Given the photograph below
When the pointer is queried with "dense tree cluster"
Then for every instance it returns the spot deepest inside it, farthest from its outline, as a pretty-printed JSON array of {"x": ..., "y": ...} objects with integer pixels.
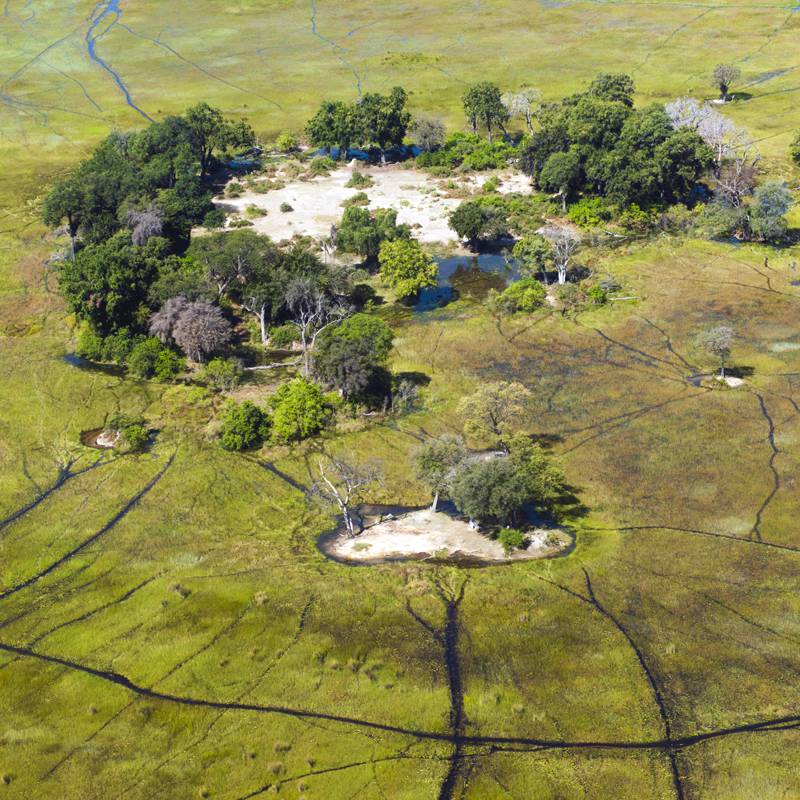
[
  {"x": 597, "y": 142},
  {"x": 489, "y": 488},
  {"x": 148, "y": 181},
  {"x": 375, "y": 122}
]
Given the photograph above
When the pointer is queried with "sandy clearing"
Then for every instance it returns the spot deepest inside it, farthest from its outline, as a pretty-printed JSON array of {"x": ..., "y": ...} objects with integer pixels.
[
  {"x": 424, "y": 534},
  {"x": 317, "y": 203}
]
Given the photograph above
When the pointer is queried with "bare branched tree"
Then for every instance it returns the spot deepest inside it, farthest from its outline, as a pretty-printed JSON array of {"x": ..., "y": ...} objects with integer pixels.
[
  {"x": 163, "y": 322},
  {"x": 329, "y": 243},
  {"x": 312, "y": 311},
  {"x": 523, "y": 104},
  {"x": 737, "y": 173},
  {"x": 564, "y": 243},
  {"x": 344, "y": 485}
]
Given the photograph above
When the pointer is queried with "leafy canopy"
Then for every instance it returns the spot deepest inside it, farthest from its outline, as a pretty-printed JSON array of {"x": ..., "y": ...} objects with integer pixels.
[{"x": 406, "y": 267}]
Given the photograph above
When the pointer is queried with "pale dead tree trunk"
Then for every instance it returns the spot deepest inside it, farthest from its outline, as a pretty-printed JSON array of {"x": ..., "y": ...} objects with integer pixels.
[
  {"x": 312, "y": 312},
  {"x": 565, "y": 244},
  {"x": 342, "y": 484},
  {"x": 435, "y": 503}
]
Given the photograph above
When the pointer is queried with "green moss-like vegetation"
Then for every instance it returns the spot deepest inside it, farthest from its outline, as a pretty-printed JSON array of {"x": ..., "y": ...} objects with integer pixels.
[{"x": 206, "y": 583}]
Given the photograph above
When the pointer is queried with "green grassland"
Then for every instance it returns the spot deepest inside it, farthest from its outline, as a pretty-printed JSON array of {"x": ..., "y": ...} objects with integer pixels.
[{"x": 194, "y": 643}]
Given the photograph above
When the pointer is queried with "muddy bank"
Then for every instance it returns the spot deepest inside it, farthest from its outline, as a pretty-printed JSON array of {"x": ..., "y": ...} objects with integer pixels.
[{"x": 394, "y": 535}]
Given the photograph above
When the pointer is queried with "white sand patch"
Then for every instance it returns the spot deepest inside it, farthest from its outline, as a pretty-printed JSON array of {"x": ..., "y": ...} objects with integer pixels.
[
  {"x": 108, "y": 439},
  {"x": 317, "y": 204},
  {"x": 428, "y": 534},
  {"x": 734, "y": 383}
]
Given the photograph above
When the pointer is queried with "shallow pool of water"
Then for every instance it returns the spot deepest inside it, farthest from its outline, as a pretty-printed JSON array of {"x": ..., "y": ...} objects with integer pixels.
[{"x": 469, "y": 276}]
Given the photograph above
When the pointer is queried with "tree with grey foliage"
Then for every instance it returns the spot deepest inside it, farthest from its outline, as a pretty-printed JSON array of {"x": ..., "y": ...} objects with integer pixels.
[
  {"x": 723, "y": 77},
  {"x": 717, "y": 342},
  {"x": 716, "y": 130},
  {"x": 427, "y": 133},
  {"x": 312, "y": 310},
  {"x": 344, "y": 485},
  {"x": 564, "y": 243},
  {"x": 436, "y": 462},
  {"x": 198, "y": 328},
  {"x": 768, "y": 213},
  {"x": 483, "y": 105},
  {"x": 523, "y": 104},
  {"x": 163, "y": 322},
  {"x": 144, "y": 224}
]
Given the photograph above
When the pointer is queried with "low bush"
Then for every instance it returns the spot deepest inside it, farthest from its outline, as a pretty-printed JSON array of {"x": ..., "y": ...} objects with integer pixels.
[
  {"x": 524, "y": 296},
  {"x": 283, "y": 336},
  {"x": 469, "y": 152},
  {"x": 224, "y": 373},
  {"x": 358, "y": 180},
  {"x": 590, "y": 212},
  {"x": 298, "y": 411},
  {"x": 358, "y": 199},
  {"x": 512, "y": 539},
  {"x": 244, "y": 427}
]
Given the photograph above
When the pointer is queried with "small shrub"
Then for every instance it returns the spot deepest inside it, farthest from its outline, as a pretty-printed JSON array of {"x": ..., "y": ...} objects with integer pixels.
[
  {"x": 524, "y": 296},
  {"x": 224, "y": 373},
  {"x": 636, "y": 219},
  {"x": 150, "y": 358},
  {"x": 570, "y": 297},
  {"x": 244, "y": 426},
  {"x": 491, "y": 185},
  {"x": 132, "y": 430},
  {"x": 512, "y": 539},
  {"x": 359, "y": 180},
  {"x": 287, "y": 142},
  {"x": 298, "y": 411},
  {"x": 214, "y": 219},
  {"x": 89, "y": 343},
  {"x": 358, "y": 199},
  {"x": 254, "y": 212},
  {"x": 286, "y": 208},
  {"x": 598, "y": 295},
  {"x": 234, "y": 189},
  {"x": 321, "y": 166},
  {"x": 590, "y": 212},
  {"x": 118, "y": 345},
  {"x": 240, "y": 223},
  {"x": 284, "y": 336},
  {"x": 168, "y": 365}
]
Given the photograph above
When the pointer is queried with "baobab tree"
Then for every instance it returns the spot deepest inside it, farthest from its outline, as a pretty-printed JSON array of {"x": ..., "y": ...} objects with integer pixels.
[
  {"x": 344, "y": 485},
  {"x": 144, "y": 224},
  {"x": 163, "y": 322},
  {"x": 198, "y": 328},
  {"x": 564, "y": 243}
]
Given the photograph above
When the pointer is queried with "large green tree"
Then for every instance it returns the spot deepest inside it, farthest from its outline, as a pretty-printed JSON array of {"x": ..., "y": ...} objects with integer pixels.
[
  {"x": 483, "y": 105},
  {"x": 436, "y": 462},
  {"x": 406, "y": 267},
  {"x": 212, "y": 133},
  {"x": 383, "y": 120},
  {"x": 107, "y": 284},
  {"x": 489, "y": 490}
]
